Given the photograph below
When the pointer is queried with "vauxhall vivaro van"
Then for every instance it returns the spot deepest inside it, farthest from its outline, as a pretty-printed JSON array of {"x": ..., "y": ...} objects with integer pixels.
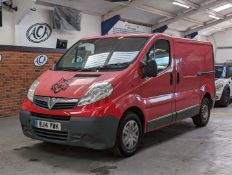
[{"x": 107, "y": 91}]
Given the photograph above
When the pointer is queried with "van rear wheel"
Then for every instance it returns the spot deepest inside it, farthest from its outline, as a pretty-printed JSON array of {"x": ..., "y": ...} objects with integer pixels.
[
  {"x": 129, "y": 135},
  {"x": 202, "y": 118}
]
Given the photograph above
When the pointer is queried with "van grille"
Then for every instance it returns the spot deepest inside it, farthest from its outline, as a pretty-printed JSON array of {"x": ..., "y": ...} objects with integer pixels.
[
  {"x": 53, "y": 135},
  {"x": 55, "y": 103},
  {"x": 52, "y": 117}
]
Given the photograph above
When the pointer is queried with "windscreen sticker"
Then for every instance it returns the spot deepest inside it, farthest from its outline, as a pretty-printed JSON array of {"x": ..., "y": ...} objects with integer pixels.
[{"x": 61, "y": 85}]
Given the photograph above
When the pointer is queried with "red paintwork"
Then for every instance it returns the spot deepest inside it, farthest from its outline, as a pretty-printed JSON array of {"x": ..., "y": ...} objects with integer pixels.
[{"x": 155, "y": 97}]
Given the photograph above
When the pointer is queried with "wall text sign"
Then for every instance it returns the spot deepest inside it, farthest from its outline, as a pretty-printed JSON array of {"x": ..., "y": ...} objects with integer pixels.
[{"x": 39, "y": 32}]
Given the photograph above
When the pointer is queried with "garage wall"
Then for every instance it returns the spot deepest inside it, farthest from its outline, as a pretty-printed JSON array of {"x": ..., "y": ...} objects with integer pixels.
[
  {"x": 90, "y": 25},
  {"x": 17, "y": 68},
  {"x": 16, "y": 34},
  {"x": 172, "y": 33},
  {"x": 7, "y": 29},
  {"x": 126, "y": 27},
  {"x": 223, "y": 45},
  {"x": 17, "y": 72},
  {"x": 122, "y": 27}
]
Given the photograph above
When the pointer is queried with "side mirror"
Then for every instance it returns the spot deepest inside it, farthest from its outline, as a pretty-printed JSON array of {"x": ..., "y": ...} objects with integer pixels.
[{"x": 149, "y": 68}]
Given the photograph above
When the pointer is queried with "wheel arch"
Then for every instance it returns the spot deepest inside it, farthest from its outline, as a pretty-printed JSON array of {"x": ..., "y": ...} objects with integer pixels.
[
  {"x": 207, "y": 95},
  {"x": 226, "y": 87},
  {"x": 140, "y": 114}
]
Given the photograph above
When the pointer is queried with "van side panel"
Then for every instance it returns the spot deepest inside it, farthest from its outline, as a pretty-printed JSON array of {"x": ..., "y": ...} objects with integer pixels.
[
  {"x": 192, "y": 59},
  {"x": 207, "y": 75}
]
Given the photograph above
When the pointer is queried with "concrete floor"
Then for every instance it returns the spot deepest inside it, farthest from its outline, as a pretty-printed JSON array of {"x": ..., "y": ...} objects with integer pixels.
[{"x": 179, "y": 149}]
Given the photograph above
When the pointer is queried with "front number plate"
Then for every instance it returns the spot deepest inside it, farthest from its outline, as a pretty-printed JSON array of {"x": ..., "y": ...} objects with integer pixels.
[{"x": 47, "y": 125}]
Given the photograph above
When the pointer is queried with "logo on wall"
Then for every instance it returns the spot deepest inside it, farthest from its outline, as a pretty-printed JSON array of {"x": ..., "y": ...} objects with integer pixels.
[
  {"x": 61, "y": 85},
  {"x": 39, "y": 32},
  {"x": 40, "y": 60}
]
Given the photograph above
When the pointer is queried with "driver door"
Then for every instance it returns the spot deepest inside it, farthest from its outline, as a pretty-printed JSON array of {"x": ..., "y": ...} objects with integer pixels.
[{"x": 158, "y": 92}]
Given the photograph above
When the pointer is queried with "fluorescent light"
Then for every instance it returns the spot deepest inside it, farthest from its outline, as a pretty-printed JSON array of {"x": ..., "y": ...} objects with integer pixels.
[
  {"x": 180, "y": 4},
  {"x": 214, "y": 17},
  {"x": 223, "y": 7}
]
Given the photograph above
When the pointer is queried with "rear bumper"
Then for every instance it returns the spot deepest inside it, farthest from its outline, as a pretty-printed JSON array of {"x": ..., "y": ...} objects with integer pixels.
[{"x": 90, "y": 132}]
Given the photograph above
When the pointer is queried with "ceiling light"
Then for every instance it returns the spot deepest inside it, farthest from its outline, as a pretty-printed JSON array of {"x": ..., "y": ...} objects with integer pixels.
[
  {"x": 223, "y": 7},
  {"x": 181, "y": 4},
  {"x": 214, "y": 17}
]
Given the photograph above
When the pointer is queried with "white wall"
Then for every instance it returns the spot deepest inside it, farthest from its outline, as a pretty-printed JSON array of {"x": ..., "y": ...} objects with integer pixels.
[
  {"x": 223, "y": 40},
  {"x": 172, "y": 33},
  {"x": 90, "y": 25},
  {"x": 15, "y": 34},
  {"x": 7, "y": 29},
  {"x": 126, "y": 28},
  {"x": 14, "y": 30},
  {"x": 201, "y": 38}
]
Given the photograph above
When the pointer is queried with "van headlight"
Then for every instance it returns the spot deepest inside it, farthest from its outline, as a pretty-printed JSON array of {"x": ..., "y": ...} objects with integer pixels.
[
  {"x": 96, "y": 92},
  {"x": 31, "y": 91},
  {"x": 219, "y": 86}
]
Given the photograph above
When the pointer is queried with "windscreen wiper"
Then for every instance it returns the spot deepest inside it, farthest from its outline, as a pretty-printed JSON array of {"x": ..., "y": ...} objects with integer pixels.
[
  {"x": 115, "y": 66},
  {"x": 69, "y": 69},
  {"x": 78, "y": 69},
  {"x": 91, "y": 69},
  {"x": 108, "y": 66}
]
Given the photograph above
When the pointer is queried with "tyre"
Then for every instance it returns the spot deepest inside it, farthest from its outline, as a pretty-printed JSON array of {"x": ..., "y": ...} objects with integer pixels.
[
  {"x": 202, "y": 118},
  {"x": 225, "y": 99},
  {"x": 129, "y": 135}
]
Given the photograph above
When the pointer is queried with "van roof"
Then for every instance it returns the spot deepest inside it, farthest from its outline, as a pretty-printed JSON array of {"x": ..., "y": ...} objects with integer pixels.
[
  {"x": 176, "y": 39},
  {"x": 120, "y": 35}
]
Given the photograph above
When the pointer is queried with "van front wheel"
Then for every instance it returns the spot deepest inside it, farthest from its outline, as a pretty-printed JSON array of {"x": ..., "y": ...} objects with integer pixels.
[
  {"x": 202, "y": 118},
  {"x": 129, "y": 135}
]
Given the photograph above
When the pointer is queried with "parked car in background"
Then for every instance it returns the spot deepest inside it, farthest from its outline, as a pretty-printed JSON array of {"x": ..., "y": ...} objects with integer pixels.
[
  {"x": 107, "y": 91},
  {"x": 223, "y": 83}
]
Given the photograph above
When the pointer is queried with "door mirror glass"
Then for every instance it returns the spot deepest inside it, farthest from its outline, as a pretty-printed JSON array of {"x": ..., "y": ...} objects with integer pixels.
[{"x": 149, "y": 68}]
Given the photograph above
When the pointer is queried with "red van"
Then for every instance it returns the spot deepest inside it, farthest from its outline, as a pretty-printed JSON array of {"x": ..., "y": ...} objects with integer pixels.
[{"x": 107, "y": 91}]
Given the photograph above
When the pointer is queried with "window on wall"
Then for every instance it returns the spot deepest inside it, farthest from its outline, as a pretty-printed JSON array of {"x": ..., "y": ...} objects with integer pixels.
[{"x": 160, "y": 52}]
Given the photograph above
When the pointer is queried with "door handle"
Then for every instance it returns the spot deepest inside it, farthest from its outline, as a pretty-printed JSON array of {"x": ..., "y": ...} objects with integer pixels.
[
  {"x": 178, "y": 78},
  {"x": 171, "y": 78}
]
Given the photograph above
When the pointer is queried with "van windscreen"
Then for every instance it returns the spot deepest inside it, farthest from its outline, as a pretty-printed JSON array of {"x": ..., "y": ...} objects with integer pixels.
[{"x": 108, "y": 54}]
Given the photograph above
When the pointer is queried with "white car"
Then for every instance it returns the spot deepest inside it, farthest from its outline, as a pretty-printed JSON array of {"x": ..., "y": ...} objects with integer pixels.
[{"x": 223, "y": 83}]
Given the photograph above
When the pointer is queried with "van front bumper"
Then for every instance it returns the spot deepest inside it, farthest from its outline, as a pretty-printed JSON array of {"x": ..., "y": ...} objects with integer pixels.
[{"x": 90, "y": 132}]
